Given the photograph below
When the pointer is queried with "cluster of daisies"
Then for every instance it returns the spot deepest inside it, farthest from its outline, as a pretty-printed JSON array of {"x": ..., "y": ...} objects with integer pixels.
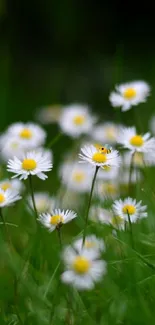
[{"x": 100, "y": 170}]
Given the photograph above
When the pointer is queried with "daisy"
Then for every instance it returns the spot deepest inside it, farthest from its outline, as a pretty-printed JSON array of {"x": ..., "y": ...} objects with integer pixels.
[
  {"x": 106, "y": 133},
  {"x": 129, "y": 138},
  {"x": 140, "y": 159},
  {"x": 97, "y": 158},
  {"x": 29, "y": 134},
  {"x": 76, "y": 177},
  {"x": 10, "y": 146},
  {"x": 13, "y": 184},
  {"x": 108, "y": 173},
  {"x": 100, "y": 215},
  {"x": 129, "y": 207},
  {"x": 83, "y": 269},
  {"x": 43, "y": 201},
  {"x": 56, "y": 218},
  {"x": 129, "y": 94},
  {"x": 107, "y": 190},
  {"x": 32, "y": 163},
  {"x": 8, "y": 197},
  {"x": 91, "y": 243},
  {"x": 76, "y": 120},
  {"x": 49, "y": 114}
]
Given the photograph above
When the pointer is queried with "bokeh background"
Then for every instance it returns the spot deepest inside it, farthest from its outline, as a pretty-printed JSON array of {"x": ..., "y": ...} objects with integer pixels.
[{"x": 72, "y": 51}]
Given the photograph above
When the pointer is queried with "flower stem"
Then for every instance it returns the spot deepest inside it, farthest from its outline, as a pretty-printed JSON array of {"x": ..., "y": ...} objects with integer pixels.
[
  {"x": 54, "y": 140},
  {"x": 6, "y": 228},
  {"x": 131, "y": 232},
  {"x": 59, "y": 236},
  {"x": 130, "y": 172},
  {"x": 32, "y": 196},
  {"x": 89, "y": 204}
]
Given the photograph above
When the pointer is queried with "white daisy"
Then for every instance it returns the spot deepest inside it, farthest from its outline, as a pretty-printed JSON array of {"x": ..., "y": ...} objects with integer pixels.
[
  {"x": 108, "y": 173},
  {"x": 49, "y": 114},
  {"x": 91, "y": 243},
  {"x": 8, "y": 197},
  {"x": 76, "y": 177},
  {"x": 106, "y": 133},
  {"x": 76, "y": 120},
  {"x": 95, "y": 157},
  {"x": 107, "y": 190},
  {"x": 43, "y": 201},
  {"x": 13, "y": 184},
  {"x": 32, "y": 163},
  {"x": 129, "y": 207},
  {"x": 100, "y": 215},
  {"x": 83, "y": 269},
  {"x": 129, "y": 94},
  {"x": 10, "y": 146},
  {"x": 29, "y": 134},
  {"x": 56, "y": 218},
  {"x": 129, "y": 138}
]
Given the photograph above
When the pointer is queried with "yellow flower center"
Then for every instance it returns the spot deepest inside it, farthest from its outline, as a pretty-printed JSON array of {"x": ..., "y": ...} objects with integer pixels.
[
  {"x": 129, "y": 93},
  {"x": 81, "y": 265},
  {"x": 5, "y": 186},
  {"x": 99, "y": 157},
  {"x": 2, "y": 198},
  {"x": 89, "y": 244},
  {"x": 129, "y": 209},
  {"x": 55, "y": 220},
  {"x": 26, "y": 134},
  {"x": 79, "y": 119},
  {"x": 78, "y": 177},
  {"x": 116, "y": 221},
  {"x": 137, "y": 141},
  {"x": 29, "y": 164}
]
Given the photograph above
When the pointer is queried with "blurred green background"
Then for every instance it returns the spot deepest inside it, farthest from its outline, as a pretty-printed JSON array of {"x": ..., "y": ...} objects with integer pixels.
[{"x": 72, "y": 51}]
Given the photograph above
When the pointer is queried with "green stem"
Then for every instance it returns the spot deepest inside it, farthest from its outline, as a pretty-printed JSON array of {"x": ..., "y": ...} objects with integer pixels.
[
  {"x": 59, "y": 236},
  {"x": 32, "y": 195},
  {"x": 131, "y": 232},
  {"x": 130, "y": 172},
  {"x": 5, "y": 227},
  {"x": 54, "y": 140},
  {"x": 89, "y": 204}
]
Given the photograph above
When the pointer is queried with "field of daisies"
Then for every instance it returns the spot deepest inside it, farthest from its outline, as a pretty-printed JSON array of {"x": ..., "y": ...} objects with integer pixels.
[{"x": 84, "y": 253}]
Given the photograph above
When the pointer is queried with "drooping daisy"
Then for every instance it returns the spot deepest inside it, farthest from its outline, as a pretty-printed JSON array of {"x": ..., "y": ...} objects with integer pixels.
[
  {"x": 49, "y": 114},
  {"x": 129, "y": 138},
  {"x": 83, "y": 269},
  {"x": 129, "y": 207},
  {"x": 13, "y": 184},
  {"x": 32, "y": 163},
  {"x": 76, "y": 120},
  {"x": 29, "y": 134},
  {"x": 8, "y": 197},
  {"x": 56, "y": 218},
  {"x": 129, "y": 94},
  {"x": 95, "y": 157},
  {"x": 43, "y": 201},
  {"x": 76, "y": 177},
  {"x": 91, "y": 243},
  {"x": 106, "y": 133}
]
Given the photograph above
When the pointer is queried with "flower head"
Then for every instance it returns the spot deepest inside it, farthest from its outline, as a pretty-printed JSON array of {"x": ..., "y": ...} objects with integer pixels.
[
  {"x": 56, "y": 218},
  {"x": 129, "y": 94},
  {"x": 100, "y": 215},
  {"x": 83, "y": 269},
  {"x": 8, "y": 197},
  {"x": 76, "y": 177},
  {"x": 94, "y": 156},
  {"x": 129, "y": 138},
  {"x": 106, "y": 133},
  {"x": 32, "y": 163},
  {"x": 76, "y": 120},
  {"x": 91, "y": 243},
  {"x": 49, "y": 114},
  {"x": 43, "y": 201},
  {"x": 10, "y": 146},
  {"x": 107, "y": 189},
  {"x": 129, "y": 207},
  {"x": 13, "y": 184},
  {"x": 30, "y": 135}
]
